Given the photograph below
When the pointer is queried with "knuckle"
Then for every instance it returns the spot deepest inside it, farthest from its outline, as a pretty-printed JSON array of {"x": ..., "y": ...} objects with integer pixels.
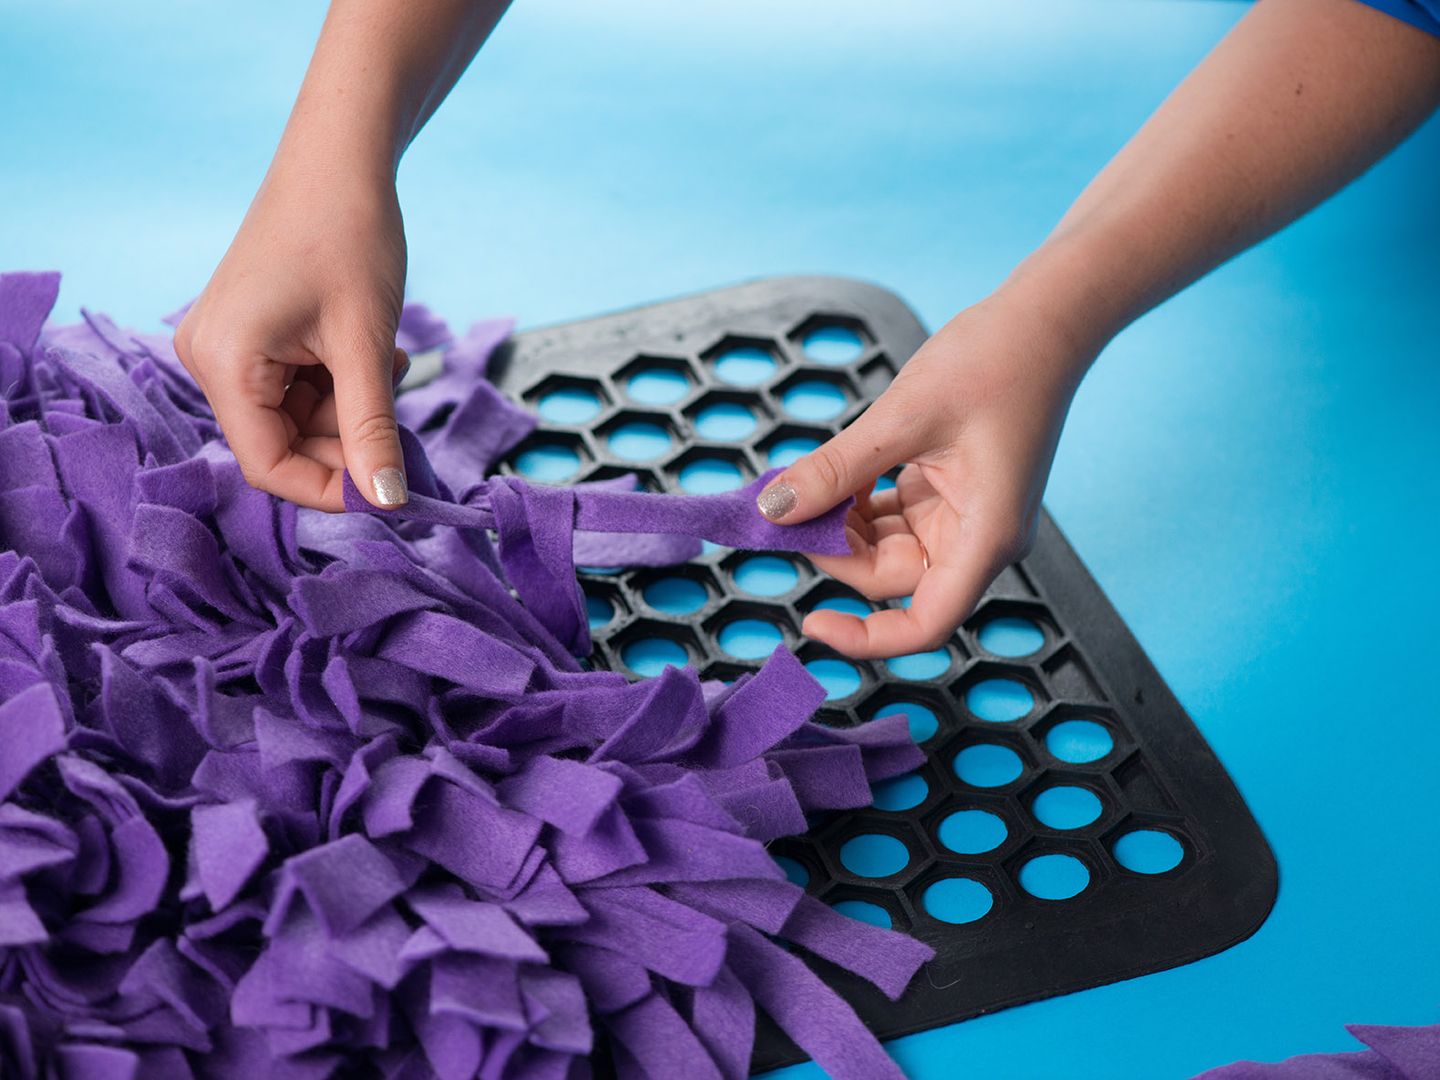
[
  {"x": 203, "y": 351},
  {"x": 1025, "y": 538},
  {"x": 376, "y": 428},
  {"x": 828, "y": 468},
  {"x": 365, "y": 330},
  {"x": 933, "y": 640},
  {"x": 1012, "y": 541},
  {"x": 187, "y": 363},
  {"x": 182, "y": 343},
  {"x": 906, "y": 404},
  {"x": 252, "y": 476}
]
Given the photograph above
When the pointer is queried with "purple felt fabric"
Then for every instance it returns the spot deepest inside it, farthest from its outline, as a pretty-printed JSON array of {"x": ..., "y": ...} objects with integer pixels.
[
  {"x": 886, "y": 962},
  {"x": 227, "y": 845},
  {"x": 28, "y": 299},
  {"x": 813, "y": 1015},
  {"x": 633, "y": 549},
  {"x": 730, "y": 518},
  {"x": 1395, "y": 1053},
  {"x": 298, "y": 795},
  {"x": 31, "y": 731}
]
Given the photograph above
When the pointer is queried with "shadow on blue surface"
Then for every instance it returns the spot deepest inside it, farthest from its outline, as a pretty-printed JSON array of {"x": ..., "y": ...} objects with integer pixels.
[{"x": 1249, "y": 472}]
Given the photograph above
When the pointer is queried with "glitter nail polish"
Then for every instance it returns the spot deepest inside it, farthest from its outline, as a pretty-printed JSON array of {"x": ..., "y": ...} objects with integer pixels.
[
  {"x": 390, "y": 489},
  {"x": 777, "y": 500}
]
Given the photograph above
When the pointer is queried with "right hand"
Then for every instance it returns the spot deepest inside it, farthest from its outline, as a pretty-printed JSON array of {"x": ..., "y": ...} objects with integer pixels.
[
  {"x": 293, "y": 339},
  {"x": 974, "y": 416}
]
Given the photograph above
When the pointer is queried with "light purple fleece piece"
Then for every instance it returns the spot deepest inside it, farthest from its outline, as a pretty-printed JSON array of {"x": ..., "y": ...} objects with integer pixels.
[
  {"x": 1396, "y": 1053},
  {"x": 298, "y": 795}
]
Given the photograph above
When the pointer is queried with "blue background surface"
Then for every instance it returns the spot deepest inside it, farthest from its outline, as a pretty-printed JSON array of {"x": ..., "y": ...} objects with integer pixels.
[{"x": 1249, "y": 472}]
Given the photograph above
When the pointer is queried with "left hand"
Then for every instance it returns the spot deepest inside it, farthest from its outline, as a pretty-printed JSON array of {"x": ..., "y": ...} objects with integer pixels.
[{"x": 293, "y": 339}]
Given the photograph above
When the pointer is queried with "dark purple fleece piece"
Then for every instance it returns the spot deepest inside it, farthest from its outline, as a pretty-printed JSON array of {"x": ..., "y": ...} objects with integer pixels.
[{"x": 294, "y": 795}]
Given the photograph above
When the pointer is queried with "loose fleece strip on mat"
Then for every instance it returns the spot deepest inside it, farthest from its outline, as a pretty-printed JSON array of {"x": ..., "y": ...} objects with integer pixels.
[{"x": 288, "y": 794}]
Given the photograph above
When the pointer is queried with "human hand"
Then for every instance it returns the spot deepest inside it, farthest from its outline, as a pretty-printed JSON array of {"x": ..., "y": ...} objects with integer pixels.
[
  {"x": 976, "y": 415},
  {"x": 293, "y": 339}
]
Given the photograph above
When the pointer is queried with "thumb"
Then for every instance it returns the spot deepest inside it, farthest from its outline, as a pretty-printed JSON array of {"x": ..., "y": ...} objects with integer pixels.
[
  {"x": 369, "y": 436},
  {"x": 850, "y": 462}
]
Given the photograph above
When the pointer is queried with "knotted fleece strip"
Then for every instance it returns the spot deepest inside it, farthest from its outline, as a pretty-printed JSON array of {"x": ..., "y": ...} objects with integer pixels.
[{"x": 296, "y": 795}]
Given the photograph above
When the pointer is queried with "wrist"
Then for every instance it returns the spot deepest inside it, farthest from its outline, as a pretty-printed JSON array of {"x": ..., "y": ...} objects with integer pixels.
[
  {"x": 352, "y": 116},
  {"x": 352, "y": 150},
  {"x": 329, "y": 169},
  {"x": 1051, "y": 296},
  {"x": 1089, "y": 280}
]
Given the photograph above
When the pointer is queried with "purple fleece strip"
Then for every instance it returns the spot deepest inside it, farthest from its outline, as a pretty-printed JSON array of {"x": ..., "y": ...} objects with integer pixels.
[
  {"x": 298, "y": 795},
  {"x": 730, "y": 518}
]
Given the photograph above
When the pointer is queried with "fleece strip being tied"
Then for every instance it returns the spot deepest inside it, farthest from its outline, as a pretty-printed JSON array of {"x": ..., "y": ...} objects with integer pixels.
[{"x": 289, "y": 794}]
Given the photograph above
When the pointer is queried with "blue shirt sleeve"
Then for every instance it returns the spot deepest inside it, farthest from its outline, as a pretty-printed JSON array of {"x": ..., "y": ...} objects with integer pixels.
[{"x": 1422, "y": 13}]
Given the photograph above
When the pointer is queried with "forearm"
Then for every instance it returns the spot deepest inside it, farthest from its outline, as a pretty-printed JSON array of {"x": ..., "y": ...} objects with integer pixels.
[
  {"x": 1299, "y": 99},
  {"x": 380, "y": 69}
]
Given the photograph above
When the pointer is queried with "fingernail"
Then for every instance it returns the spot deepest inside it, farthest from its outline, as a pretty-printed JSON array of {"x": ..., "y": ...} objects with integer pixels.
[
  {"x": 777, "y": 500},
  {"x": 390, "y": 489},
  {"x": 400, "y": 375}
]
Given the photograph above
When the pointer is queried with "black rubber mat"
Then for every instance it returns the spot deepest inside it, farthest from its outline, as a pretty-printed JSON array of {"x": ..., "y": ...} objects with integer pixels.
[{"x": 1058, "y": 762}]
